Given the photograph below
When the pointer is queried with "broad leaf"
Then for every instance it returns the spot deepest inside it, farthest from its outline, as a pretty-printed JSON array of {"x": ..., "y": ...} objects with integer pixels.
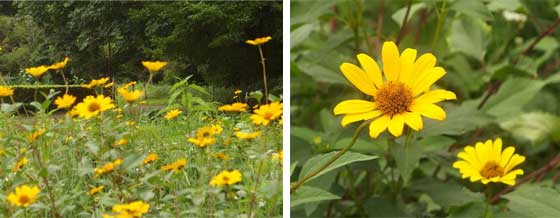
[
  {"x": 308, "y": 194},
  {"x": 316, "y": 162}
]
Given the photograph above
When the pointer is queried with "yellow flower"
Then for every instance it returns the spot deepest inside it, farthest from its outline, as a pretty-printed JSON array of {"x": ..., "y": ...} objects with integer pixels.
[
  {"x": 96, "y": 82},
  {"x": 33, "y": 136},
  {"x": 120, "y": 142},
  {"x": 172, "y": 114},
  {"x": 6, "y": 91},
  {"x": 279, "y": 156},
  {"x": 154, "y": 66},
  {"x": 249, "y": 135},
  {"x": 226, "y": 178},
  {"x": 19, "y": 164},
  {"x": 24, "y": 196},
  {"x": 259, "y": 41},
  {"x": 59, "y": 65},
  {"x": 130, "y": 96},
  {"x": 216, "y": 129},
  {"x": 403, "y": 97},
  {"x": 266, "y": 113},
  {"x": 93, "y": 106},
  {"x": 134, "y": 209},
  {"x": 488, "y": 163},
  {"x": 108, "y": 167},
  {"x": 37, "y": 71},
  {"x": 109, "y": 85},
  {"x": 235, "y": 107},
  {"x": 150, "y": 158},
  {"x": 131, "y": 83},
  {"x": 64, "y": 101},
  {"x": 95, "y": 190},
  {"x": 220, "y": 156},
  {"x": 175, "y": 166},
  {"x": 237, "y": 92},
  {"x": 317, "y": 140},
  {"x": 205, "y": 135}
]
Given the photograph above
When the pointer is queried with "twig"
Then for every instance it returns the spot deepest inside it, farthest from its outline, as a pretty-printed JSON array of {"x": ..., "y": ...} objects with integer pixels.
[
  {"x": 538, "y": 39},
  {"x": 423, "y": 17},
  {"x": 492, "y": 89},
  {"x": 399, "y": 37}
]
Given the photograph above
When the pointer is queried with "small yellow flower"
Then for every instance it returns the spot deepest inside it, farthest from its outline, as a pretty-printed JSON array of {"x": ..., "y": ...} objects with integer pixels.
[
  {"x": 237, "y": 92},
  {"x": 96, "y": 82},
  {"x": 64, "y": 101},
  {"x": 175, "y": 166},
  {"x": 95, "y": 190},
  {"x": 6, "y": 91},
  {"x": 488, "y": 163},
  {"x": 248, "y": 135},
  {"x": 19, "y": 164},
  {"x": 120, "y": 142},
  {"x": 37, "y": 71},
  {"x": 150, "y": 158},
  {"x": 134, "y": 209},
  {"x": 279, "y": 156},
  {"x": 226, "y": 178},
  {"x": 172, "y": 114},
  {"x": 317, "y": 140},
  {"x": 220, "y": 156},
  {"x": 266, "y": 113},
  {"x": 130, "y": 123},
  {"x": 259, "y": 41},
  {"x": 109, "y": 85},
  {"x": 130, "y": 96},
  {"x": 154, "y": 66},
  {"x": 24, "y": 196},
  {"x": 108, "y": 167},
  {"x": 93, "y": 106},
  {"x": 33, "y": 136},
  {"x": 216, "y": 129},
  {"x": 235, "y": 107},
  {"x": 205, "y": 136},
  {"x": 59, "y": 65}
]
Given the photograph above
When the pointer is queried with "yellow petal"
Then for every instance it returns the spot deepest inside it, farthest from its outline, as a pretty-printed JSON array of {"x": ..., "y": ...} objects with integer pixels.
[
  {"x": 427, "y": 80},
  {"x": 378, "y": 126},
  {"x": 354, "y": 107},
  {"x": 396, "y": 125},
  {"x": 474, "y": 159},
  {"x": 435, "y": 96},
  {"x": 489, "y": 150},
  {"x": 350, "y": 118},
  {"x": 482, "y": 152},
  {"x": 407, "y": 65},
  {"x": 498, "y": 149},
  {"x": 425, "y": 62},
  {"x": 429, "y": 110},
  {"x": 413, "y": 120},
  {"x": 516, "y": 159},
  {"x": 358, "y": 78},
  {"x": 371, "y": 68},
  {"x": 391, "y": 60},
  {"x": 506, "y": 155},
  {"x": 511, "y": 175}
]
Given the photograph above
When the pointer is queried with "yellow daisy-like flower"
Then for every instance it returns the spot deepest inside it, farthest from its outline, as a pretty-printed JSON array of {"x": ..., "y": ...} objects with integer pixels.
[
  {"x": 220, "y": 156},
  {"x": 120, "y": 142},
  {"x": 279, "y": 157},
  {"x": 237, "y": 92},
  {"x": 19, "y": 164},
  {"x": 33, "y": 136},
  {"x": 175, "y": 166},
  {"x": 59, "y": 65},
  {"x": 6, "y": 91},
  {"x": 259, "y": 41},
  {"x": 226, "y": 178},
  {"x": 266, "y": 113},
  {"x": 93, "y": 106},
  {"x": 95, "y": 190},
  {"x": 24, "y": 196},
  {"x": 130, "y": 96},
  {"x": 401, "y": 98},
  {"x": 154, "y": 66},
  {"x": 172, "y": 114},
  {"x": 488, "y": 163},
  {"x": 37, "y": 71},
  {"x": 108, "y": 167},
  {"x": 216, "y": 129},
  {"x": 150, "y": 158},
  {"x": 96, "y": 82},
  {"x": 134, "y": 209},
  {"x": 205, "y": 135},
  {"x": 64, "y": 101},
  {"x": 247, "y": 135},
  {"x": 235, "y": 107}
]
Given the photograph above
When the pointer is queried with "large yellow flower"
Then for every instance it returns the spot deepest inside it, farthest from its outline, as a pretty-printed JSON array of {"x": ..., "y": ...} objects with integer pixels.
[
  {"x": 59, "y": 65},
  {"x": 134, "y": 209},
  {"x": 488, "y": 163},
  {"x": 175, "y": 166},
  {"x": 154, "y": 66},
  {"x": 24, "y": 196},
  {"x": 93, "y": 106},
  {"x": 266, "y": 113},
  {"x": 247, "y": 135},
  {"x": 226, "y": 178},
  {"x": 37, "y": 71},
  {"x": 235, "y": 107},
  {"x": 403, "y": 96},
  {"x": 130, "y": 96},
  {"x": 96, "y": 82},
  {"x": 259, "y": 41},
  {"x": 64, "y": 101},
  {"x": 6, "y": 91}
]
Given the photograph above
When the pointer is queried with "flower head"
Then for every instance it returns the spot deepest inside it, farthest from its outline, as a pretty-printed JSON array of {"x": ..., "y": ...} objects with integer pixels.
[
  {"x": 150, "y": 158},
  {"x": 220, "y": 156},
  {"x": 402, "y": 98},
  {"x": 19, "y": 164},
  {"x": 59, "y": 65},
  {"x": 235, "y": 107},
  {"x": 259, "y": 41},
  {"x": 205, "y": 135},
  {"x": 266, "y": 113},
  {"x": 488, "y": 163},
  {"x": 172, "y": 114},
  {"x": 37, "y": 71},
  {"x": 134, "y": 209},
  {"x": 108, "y": 167},
  {"x": 154, "y": 66},
  {"x": 96, "y": 82},
  {"x": 247, "y": 135},
  {"x": 175, "y": 166},
  {"x": 93, "y": 106},
  {"x": 34, "y": 135},
  {"x": 226, "y": 178},
  {"x": 130, "y": 96},
  {"x": 95, "y": 190},
  {"x": 64, "y": 101},
  {"x": 237, "y": 92},
  {"x": 6, "y": 91},
  {"x": 24, "y": 196},
  {"x": 279, "y": 156}
]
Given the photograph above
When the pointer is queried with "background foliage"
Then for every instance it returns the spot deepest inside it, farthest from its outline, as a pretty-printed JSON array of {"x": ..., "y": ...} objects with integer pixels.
[{"x": 504, "y": 68}]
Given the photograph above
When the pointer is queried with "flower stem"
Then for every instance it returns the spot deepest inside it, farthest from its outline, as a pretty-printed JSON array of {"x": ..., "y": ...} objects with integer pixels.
[
  {"x": 441, "y": 20},
  {"x": 264, "y": 75},
  {"x": 299, "y": 183},
  {"x": 259, "y": 172}
]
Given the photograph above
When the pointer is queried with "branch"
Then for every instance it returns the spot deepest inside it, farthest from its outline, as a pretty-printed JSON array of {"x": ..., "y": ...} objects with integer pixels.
[{"x": 399, "y": 37}]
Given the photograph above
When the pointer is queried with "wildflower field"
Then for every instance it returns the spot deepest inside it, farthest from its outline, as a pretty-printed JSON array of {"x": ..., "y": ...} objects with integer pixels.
[
  {"x": 151, "y": 142},
  {"x": 425, "y": 108}
]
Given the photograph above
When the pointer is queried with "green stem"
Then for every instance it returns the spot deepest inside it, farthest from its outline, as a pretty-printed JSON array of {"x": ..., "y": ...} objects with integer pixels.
[
  {"x": 441, "y": 20},
  {"x": 299, "y": 183},
  {"x": 264, "y": 74}
]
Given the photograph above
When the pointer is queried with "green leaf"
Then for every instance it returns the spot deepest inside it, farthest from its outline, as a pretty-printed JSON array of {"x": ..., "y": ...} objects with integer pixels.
[
  {"x": 469, "y": 36},
  {"x": 473, "y": 8},
  {"x": 131, "y": 161},
  {"x": 308, "y": 194},
  {"x": 300, "y": 34},
  {"x": 398, "y": 16},
  {"x": 407, "y": 158},
  {"x": 532, "y": 200},
  {"x": 316, "y": 162},
  {"x": 447, "y": 194},
  {"x": 321, "y": 73},
  {"x": 510, "y": 5},
  {"x": 382, "y": 207},
  {"x": 460, "y": 119},
  {"x": 293, "y": 167},
  {"x": 534, "y": 126}
]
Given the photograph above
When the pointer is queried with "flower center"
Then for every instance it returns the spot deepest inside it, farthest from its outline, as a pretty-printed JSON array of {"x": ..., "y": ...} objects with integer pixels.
[
  {"x": 393, "y": 98},
  {"x": 491, "y": 169},
  {"x": 226, "y": 179},
  {"x": 24, "y": 199},
  {"x": 93, "y": 107},
  {"x": 267, "y": 115}
]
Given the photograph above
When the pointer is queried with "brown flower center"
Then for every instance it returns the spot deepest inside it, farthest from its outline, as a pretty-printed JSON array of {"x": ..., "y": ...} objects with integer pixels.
[
  {"x": 267, "y": 115},
  {"x": 393, "y": 98},
  {"x": 93, "y": 107},
  {"x": 24, "y": 199},
  {"x": 225, "y": 178},
  {"x": 491, "y": 169}
]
